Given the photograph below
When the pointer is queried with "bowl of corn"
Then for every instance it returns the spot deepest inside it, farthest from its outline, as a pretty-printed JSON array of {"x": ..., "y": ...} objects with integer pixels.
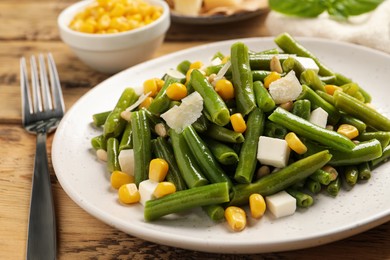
[{"x": 112, "y": 35}]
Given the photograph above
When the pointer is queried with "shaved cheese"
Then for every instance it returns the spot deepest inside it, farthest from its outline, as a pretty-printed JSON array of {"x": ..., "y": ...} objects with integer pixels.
[
  {"x": 285, "y": 89},
  {"x": 138, "y": 102},
  {"x": 179, "y": 117}
]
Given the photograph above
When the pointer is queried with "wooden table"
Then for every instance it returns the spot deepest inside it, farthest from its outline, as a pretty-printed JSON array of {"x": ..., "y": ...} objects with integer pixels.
[{"x": 29, "y": 27}]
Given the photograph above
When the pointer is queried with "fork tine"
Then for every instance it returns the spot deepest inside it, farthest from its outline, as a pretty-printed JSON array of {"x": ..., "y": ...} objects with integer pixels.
[
  {"x": 25, "y": 89},
  {"x": 46, "y": 96},
  {"x": 35, "y": 85},
  {"x": 55, "y": 85}
]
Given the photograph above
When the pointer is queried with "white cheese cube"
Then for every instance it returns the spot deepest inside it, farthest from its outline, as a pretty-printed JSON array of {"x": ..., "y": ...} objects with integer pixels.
[
  {"x": 319, "y": 117},
  {"x": 188, "y": 7},
  {"x": 146, "y": 189},
  {"x": 126, "y": 161},
  {"x": 281, "y": 204},
  {"x": 273, "y": 151},
  {"x": 285, "y": 89},
  {"x": 308, "y": 63}
]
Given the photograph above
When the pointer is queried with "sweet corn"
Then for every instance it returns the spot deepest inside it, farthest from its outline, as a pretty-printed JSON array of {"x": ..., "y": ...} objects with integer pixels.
[
  {"x": 176, "y": 91},
  {"x": 164, "y": 188},
  {"x": 295, "y": 143},
  {"x": 238, "y": 123},
  {"x": 160, "y": 83},
  {"x": 113, "y": 16},
  {"x": 348, "y": 131},
  {"x": 225, "y": 59},
  {"x": 196, "y": 65},
  {"x": 128, "y": 193},
  {"x": 235, "y": 217},
  {"x": 330, "y": 89},
  {"x": 257, "y": 205},
  {"x": 146, "y": 103},
  {"x": 273, "y": 76},
  {"x": 119, "y": 178},
  {"x": 158, "y": 169},
  {"x": 150, "y": 85},
  {"x": 225, "y": 89}
]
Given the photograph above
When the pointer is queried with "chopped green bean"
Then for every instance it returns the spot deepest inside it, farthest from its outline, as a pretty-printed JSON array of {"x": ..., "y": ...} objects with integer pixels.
[
  {"x": 304, "y": 200},
  {"x": 112, "y": 155}
]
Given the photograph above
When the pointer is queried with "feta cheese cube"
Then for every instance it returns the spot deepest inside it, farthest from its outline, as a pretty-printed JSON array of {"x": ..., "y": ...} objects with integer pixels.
[
  {"x": 308, "y": 63},
  {"x": 146, "y": 189},
  {"x": 285, "y": 89},
  {"x": 281, "y": 204},
  {"x": 319, "y": 117},
  {"x": 273, "y": 151},
  {"x": 126, "y": 161}
]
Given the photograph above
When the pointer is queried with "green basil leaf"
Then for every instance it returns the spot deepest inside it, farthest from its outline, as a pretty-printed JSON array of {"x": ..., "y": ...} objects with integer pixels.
[
  {"x": 356, "y": 7},
  {"x": 301, "y": 8}
]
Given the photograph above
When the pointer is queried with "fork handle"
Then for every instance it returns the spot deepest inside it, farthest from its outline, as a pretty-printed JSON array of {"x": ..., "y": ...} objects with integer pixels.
[{"x": 41, "y": 243}]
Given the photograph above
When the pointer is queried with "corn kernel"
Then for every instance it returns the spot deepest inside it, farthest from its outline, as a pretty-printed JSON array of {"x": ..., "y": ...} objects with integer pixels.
[
  {"x": 104, "y": 22},
  {"x": 348, "y": 131},
  {"x": 295, "y": 143},
  {"x": 160, "y": 83},
  {"x": 146, "y": 103},
  {"x": 225, "y": 89},
  {"x": 128, "y": 193},
  {"x": 196, "y": 65},
  {"x": 176, "y": 91},
  {"x": 273, "y": 76},
  {"x": 330, "y": 89},
  {"x": 235, "y": 217},
  {"x": 150, "y": 85},
  {"x": 119, "y": 178},
  {"x": 164, "y": 188},
  {"x": 225, "y": 59},
  {"x": 238, "y": 123},
  {"x": 158, "y": 169},
  {"x": 257, "y": 205}
]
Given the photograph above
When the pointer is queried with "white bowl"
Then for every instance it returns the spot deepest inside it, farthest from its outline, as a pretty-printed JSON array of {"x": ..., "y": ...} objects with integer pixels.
[{"x": 111, "y": 53}]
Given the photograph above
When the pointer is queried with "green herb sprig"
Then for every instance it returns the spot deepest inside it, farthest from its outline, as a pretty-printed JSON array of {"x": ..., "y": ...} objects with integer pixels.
[{"x": 337, "y": 9}]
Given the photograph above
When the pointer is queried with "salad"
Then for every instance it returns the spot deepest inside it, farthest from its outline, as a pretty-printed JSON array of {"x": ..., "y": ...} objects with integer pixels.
[{"x": 270, "y": 129}]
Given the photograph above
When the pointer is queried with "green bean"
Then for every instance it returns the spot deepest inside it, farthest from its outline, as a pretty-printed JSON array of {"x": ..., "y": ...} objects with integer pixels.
[
  {"x": 364, "y": 171},
  {"x": 204, "y": 157},
  {"x": 259, "y": 75},
  {"x": 262, "y": 61},
  {"x": 341, "y": 80},
  {"x": 141, "y": 145},
  {"x": 362, "y": 152},
  {"x": 274, "y": 130},
  {"x": 184, "y": 66},
  {"x": 360, "y": 110},
  {"x": 350, "y": 175},
  {"x": 352, "y": 89},
  {"x": 242, "y": 78},
  {"x": 304, "y": 200},
  {"x": 213, "y": 103},
  {"x": 321, "y": 176},
  {"x": 328, "y": 79},
  {"x": 186, "y": 199},
  {"x": 313, "y": 186},
  {"x": 302, "y": 108},
  {"x": 306, "y": 129},
  {"x": 334, "y": 187},
  {"x": 293, "y": 64},
  {"x": 350, "y": 120},
  {"x": 201, "y": 124},
  {"x": 289, "y": 45},
  {"x": 214, "y": 69},
  {"x": 112, "y": 155},
  {"x": 115, "y": 124},
  {"x": 310, "y": 78},
  {"x": 247, "y": 158},
  {"x": 99, "y": 142},
  {"x": 163, "y": 149},
  {"x": 126, "y": 141},
  {"x": 327, "y": 97},
  {"x": 100, "y": 118},
  {"x": 161, "y": 102},
  {"x": 215, "y": 212},
  {"x": 223, "y": 134},
  {"x": 157, "y": 125},
  {"x": 382, "y": 159},
  {"x": 187, "y": 164},
  {"x": 382, "y": 136},
  {"x": 281, "y": 179},
  {"x": 317, "y": 101},
  {"x": 224, "y": 154},
  {"x": 263, "y": 99}
]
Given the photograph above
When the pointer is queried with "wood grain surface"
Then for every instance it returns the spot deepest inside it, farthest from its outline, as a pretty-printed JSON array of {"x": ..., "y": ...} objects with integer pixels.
[{"x": 29, "y": 27}]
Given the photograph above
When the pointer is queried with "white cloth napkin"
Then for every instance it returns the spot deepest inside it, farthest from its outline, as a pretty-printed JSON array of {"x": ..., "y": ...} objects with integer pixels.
[{"x": 371, "y": 29}]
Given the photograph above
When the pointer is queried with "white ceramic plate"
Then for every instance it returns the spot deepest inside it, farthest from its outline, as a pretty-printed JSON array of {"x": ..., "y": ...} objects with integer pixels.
[{"x": 86, "y": 181}]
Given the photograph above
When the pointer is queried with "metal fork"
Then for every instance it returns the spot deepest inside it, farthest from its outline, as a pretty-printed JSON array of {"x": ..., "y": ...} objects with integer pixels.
[{"x": 41, "y": 115}]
